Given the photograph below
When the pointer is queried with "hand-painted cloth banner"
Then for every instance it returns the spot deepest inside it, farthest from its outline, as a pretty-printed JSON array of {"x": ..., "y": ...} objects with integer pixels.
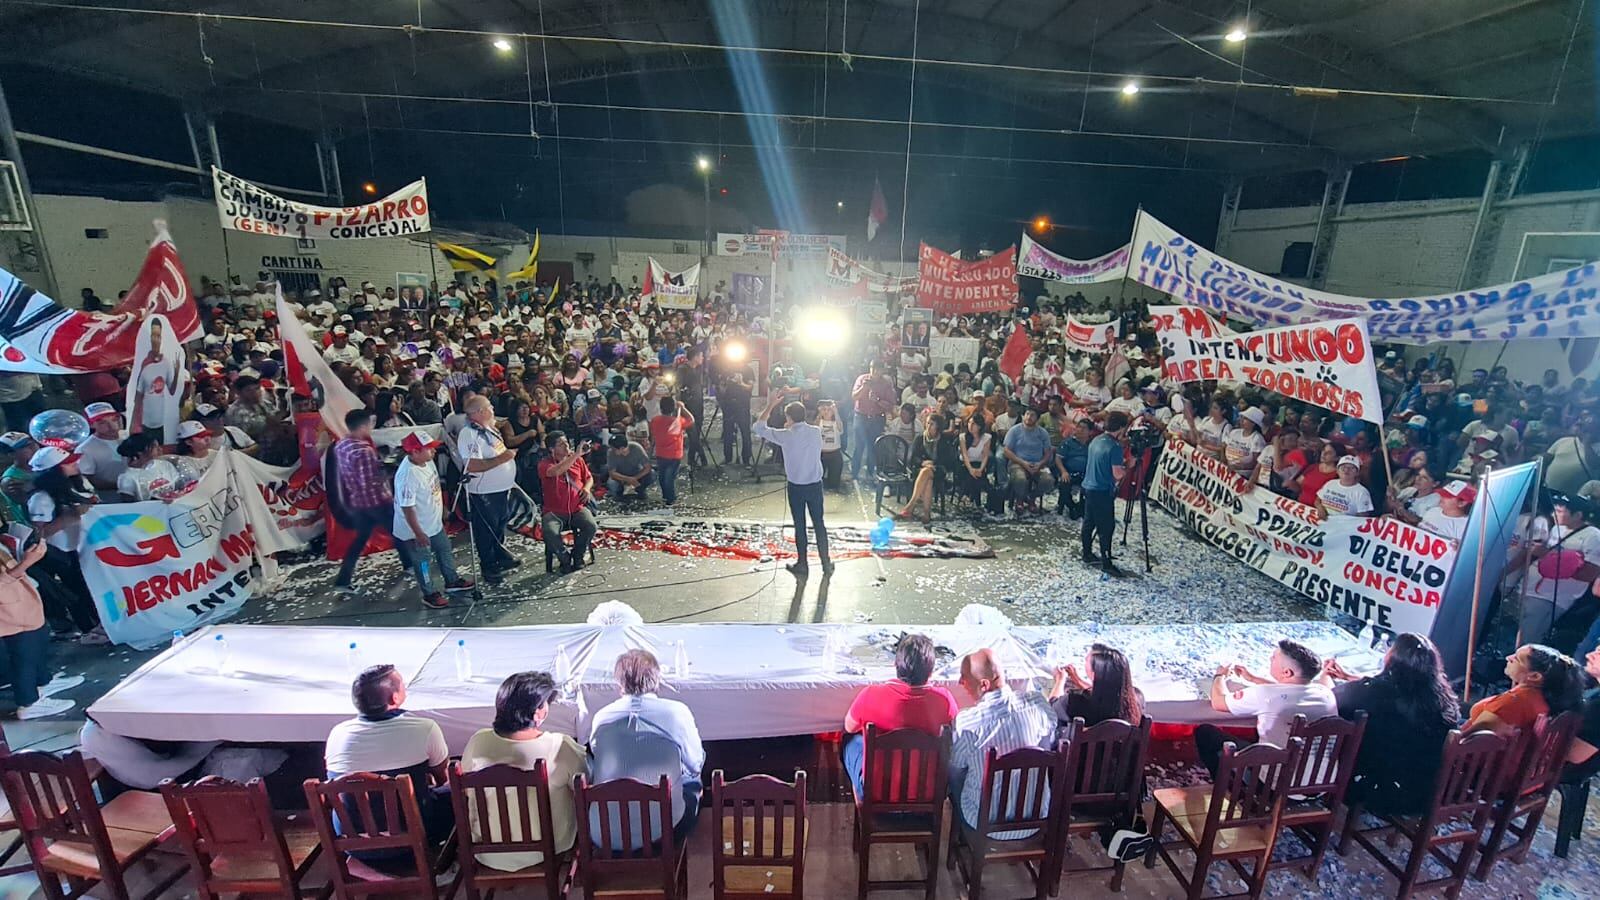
[
  {"x": 1327, "y": 364},
  {"x": 157, "y": 567},
  {"x": 1035, "y": 261},
  {"x": 750, "y": 293},
  {"x": 950, "y": 286},
  {"x": 952, "y": 350},
  {"x": 37, "y": 334},
  {"x": 1382, "y": 571},
  {"x": 242, "y": 206},
  {"x": 1091, "y": 337},
  {"x": 286, "y": 502},
  {"x": 740, "y": 539},
  {"x": 672, "y": 290},
  {"x": 847, "y": 271},
  {"x": 1558, "y": 305}
]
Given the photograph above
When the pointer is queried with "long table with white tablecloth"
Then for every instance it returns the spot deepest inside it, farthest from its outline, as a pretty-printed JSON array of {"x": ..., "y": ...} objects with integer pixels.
[{"x": 286, "y": 683}]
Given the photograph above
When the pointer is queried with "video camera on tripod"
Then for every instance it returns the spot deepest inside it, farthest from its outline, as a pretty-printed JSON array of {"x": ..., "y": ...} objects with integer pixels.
[{"x": 1144, "y": 437}]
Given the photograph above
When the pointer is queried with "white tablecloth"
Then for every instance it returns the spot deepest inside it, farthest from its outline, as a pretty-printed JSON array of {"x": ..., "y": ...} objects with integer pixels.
[{"x": 291, "y": 683}]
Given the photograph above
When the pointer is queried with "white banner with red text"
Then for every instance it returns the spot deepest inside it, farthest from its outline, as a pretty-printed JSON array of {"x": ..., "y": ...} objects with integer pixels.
[
  {"x": 672, "y": 290},
  {"x": 845, "y": 271},
  {"x": 1379, "y": 570},
  {"x": 1091, "y": 337},
  {"x": 1327, "y": 364},
  {"x": 1035, "y": 261},
  {"x": 1556, "y": 305},
  {"x": 242, "y": 206}
]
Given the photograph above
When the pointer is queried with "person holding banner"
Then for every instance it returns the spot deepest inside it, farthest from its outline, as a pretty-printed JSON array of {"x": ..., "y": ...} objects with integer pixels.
[{"x": 1347, "y": 496}]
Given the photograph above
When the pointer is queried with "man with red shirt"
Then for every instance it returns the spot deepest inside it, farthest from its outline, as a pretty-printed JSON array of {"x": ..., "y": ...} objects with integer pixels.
[
  {"x": 906, "y": 702},
  {"x": 667, "y": 432},
  {"x": 568, "y": 491}
]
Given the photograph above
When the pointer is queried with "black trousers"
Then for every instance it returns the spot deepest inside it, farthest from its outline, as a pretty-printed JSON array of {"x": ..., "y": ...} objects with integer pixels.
[
  {"x": 694, "y": 448},
  {"x": 806, "y": 499},
  {"x": 1099, "y": 517},
  {"x": 66, "y": 597},
  {"x": 489, "y": 515},
  {"x": 1208, "y": 741},
  {"x": 739, "y": 425}
]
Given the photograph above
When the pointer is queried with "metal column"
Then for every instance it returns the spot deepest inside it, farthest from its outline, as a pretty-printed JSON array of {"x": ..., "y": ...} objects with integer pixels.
[
  {"x": 1229, "y": 217},
  {"x": 1505, "y": 176},
  {"x": 328, "y": 164},
  {"x": 193, "y": 119},
  {"x": 34, "y": 247},
  {"x": 1333, "y": 194}
]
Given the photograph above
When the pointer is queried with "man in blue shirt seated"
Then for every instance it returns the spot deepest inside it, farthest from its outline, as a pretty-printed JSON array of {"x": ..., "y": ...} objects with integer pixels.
[
  {"x": 1028, "y": 450},
  {"x": 1100, "y": 479},
  {"x": 1072, "y": 458},
  {"x": 641, "y": 736}
]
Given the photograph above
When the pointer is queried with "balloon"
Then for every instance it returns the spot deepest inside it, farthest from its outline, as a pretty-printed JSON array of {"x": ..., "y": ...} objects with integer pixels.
[
  {"x": 188, "y": 471},
  {"x": 57, "y": 425},
  {"x": 887, "y": 524}
]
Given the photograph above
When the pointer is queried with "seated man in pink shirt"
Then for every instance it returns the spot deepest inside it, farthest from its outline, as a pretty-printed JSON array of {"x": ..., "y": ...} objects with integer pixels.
[{"x": 906, "y": 702}]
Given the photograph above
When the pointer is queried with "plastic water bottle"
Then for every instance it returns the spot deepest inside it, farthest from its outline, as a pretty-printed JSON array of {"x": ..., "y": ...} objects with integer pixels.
[
  {"x": 463, "y": 661},
  {"x": 680, "y": 661},
  {"x": 352, "y": 658},
  {"x": 224, "y": 656},
  {"x": 830, "y": 653},
  {"x": 563, "y": 666},
  {"x": 177, "y": 637}
]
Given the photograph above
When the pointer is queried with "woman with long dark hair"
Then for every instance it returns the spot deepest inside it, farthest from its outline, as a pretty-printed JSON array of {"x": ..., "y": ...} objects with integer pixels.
[
  {"x": 1108, "y": 693},
  {"x": 1544, "y": 681},
  {"x": 1410, "y": 709},
  {"x": 60, "y": 497}
]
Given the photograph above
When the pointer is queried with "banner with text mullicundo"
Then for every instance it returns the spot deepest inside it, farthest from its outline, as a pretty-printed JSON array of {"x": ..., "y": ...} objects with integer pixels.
[
  {"x": 1381, "y": 570},
  {"x": 953, "y": 287}
]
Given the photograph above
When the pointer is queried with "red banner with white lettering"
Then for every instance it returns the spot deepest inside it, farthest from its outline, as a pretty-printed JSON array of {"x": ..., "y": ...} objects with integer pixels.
[
  {"x": 950, "y": 286},
  {"x": 1327, "y": 364}
]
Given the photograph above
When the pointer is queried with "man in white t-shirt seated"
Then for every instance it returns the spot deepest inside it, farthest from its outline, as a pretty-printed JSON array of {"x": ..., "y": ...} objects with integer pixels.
[
  {"x": 1561, "y": 568},
  {"x": 1347, "y": 496},
  {"x": 1289, "y": 691},
  {"x": 1449, "y": 518},
  {"x": 384, "y": 739}
]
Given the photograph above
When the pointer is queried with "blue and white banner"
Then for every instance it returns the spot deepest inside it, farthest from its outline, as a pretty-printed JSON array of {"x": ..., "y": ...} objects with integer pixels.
[{"x": 1558, "y": 305}]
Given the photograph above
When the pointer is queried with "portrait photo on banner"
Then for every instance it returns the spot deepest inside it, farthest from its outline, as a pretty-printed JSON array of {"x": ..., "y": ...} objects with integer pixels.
[
  {"x": 156, "y": 385},
  {"x": 916, "y": 327}
]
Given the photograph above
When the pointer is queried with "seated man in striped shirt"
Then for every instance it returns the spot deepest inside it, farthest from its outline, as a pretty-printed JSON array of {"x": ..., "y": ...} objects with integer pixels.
[{"x": 999, "y": 718}]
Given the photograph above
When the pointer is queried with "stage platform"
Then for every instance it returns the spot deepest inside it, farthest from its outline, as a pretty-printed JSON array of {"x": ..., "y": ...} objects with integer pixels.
[{"x": 292, "y": 683}]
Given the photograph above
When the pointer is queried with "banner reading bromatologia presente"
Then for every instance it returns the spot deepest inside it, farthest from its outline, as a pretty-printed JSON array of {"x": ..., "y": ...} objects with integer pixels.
[
  {"x": 242, "y": 206},
  {"x": 1327, "y": 364},
  {"x": 1380, "y": 570},
  {"x": 1035, "y": 261},
  {"x": 1558, "y": 305}
]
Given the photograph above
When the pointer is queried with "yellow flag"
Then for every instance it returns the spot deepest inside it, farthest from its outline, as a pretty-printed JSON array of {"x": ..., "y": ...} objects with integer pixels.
[
  {"x": 466, "y": 259},
  {"x": 529, "y": 272}
]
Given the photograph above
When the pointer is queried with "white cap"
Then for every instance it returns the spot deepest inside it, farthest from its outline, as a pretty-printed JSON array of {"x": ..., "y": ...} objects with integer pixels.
[
  {"x": 1418, "y": 421},
  {"x": 189, "y": 428},
  {"x": 98, "y": 411},
  {"x": 48, "y": 457},
  {"x": 1349, "y": 461},
  {"x": 204, "y": 409},
  {"x": 340, "y": 329},
  {"x": 1255, "y": 415}
]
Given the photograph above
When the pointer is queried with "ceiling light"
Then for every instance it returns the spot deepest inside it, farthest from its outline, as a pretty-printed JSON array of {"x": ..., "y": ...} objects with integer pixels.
[
  {"x": 702, "y": 164},
  {"x": 1237, "y": 35},
  {"x": 502, "y": 44},
  {"x": 1130, "y": 88},
  {"x": 370, "y": 188},
  {"x": 840, "y": 204}
]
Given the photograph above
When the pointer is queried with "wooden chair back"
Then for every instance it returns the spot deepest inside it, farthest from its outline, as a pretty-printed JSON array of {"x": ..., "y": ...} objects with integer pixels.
[
  {"x": 497, "y": 810},
  {"x": 53, "y": 801},
  {"x": 1021, "y": 790},
  {"x": 217, "y": 819},
  {"x": 904, "y": 771},
  {"x": 1103, "y": 766},
  {"x": 614, "y": 826},
  {"x": 1250, "y": 788},
  {"x": 364, "y": 813},
  {"x": 1471, "y": 771},
  {"x": 761, "y": 824},
  {"x": 1328, "y": 764},
  {"x": 1543, "y": 755}
]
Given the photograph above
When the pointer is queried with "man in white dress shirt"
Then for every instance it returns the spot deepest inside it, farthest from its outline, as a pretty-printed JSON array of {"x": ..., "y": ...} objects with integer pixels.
[
  {"x": 802, "y": 467},
  {"x": 492, "y": 472}
]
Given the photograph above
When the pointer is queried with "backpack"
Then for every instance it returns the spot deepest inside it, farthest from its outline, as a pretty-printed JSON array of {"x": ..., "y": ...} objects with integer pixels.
[{"x": 331, "y": 487}]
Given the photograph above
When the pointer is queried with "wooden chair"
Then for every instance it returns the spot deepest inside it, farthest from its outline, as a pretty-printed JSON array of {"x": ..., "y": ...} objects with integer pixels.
[
  {"x": 365, "y": 813},
  {"x": 69, "y": 836},
  {"x": 1102, "y": 784},
  {"x": 8, "y": 825},
  {"x": 1318, "y": 785},
  {"x": 236, "y": 844},
  {"x": 1527, "y": 790},
  {"x": 616, "y": 857},
  {"x": 1232, "y": 820},
  {"x": 493, "y": 815},
  {"x": 1018, "y": 814},
  {"x": 1470, "y": 776},
  {"x": 759, "y": 848},
  {"x": 905, "y": 774}
]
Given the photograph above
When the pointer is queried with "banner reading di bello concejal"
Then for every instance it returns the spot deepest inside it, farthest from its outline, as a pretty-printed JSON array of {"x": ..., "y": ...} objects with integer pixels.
[
  {"x": 951, "y": 286},
  {"x": 242, "y": 206}
]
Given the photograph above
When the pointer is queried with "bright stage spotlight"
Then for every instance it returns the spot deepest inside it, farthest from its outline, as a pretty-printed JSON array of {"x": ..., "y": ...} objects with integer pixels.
[
  {"x": 735, "y": 352},
  {"x": 821, "y": 331}
]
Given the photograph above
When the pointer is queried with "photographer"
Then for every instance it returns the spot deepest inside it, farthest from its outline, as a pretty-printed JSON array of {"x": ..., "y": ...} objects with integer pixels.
[
  {"x": 1101, "y": 476},
  {"x": 568, "y": 491}
]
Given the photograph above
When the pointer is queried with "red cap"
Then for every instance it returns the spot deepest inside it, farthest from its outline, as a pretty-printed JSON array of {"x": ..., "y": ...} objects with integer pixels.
[{"x": 417, "y": 441}]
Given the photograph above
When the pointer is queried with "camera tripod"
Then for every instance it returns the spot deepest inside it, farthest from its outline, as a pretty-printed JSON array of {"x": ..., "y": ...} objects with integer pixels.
[{"x": 1135, "y": 486}]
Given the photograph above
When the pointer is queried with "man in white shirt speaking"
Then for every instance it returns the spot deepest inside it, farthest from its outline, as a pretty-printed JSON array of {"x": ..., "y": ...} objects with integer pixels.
[
  {"x": 492, "y": 473},
  {"x": 802, "y": 467}
]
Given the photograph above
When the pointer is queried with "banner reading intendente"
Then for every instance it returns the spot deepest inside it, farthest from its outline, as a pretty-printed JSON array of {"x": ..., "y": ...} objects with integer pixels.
[
  {"x": 1381, "y": 570},
  {"x": 1327, "y": 364},
  {"x": 242, "y": 206},
  {"x": 1035, "y": 261},
  {"x": 1558, "y": 305},
  {"x": 950, "y": 286}
]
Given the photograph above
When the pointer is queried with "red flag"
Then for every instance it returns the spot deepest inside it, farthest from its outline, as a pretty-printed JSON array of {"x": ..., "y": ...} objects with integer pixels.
[
  {"x": 878, "y": 213},
  {"x": 163, "y": 288},
  {"x": 1018, "y": 348}
]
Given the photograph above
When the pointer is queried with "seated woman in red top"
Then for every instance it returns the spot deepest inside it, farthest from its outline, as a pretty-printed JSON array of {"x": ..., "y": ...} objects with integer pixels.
[
  {"x": 1543, "y": 681},
  {"x": 906, "y": 702}
]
